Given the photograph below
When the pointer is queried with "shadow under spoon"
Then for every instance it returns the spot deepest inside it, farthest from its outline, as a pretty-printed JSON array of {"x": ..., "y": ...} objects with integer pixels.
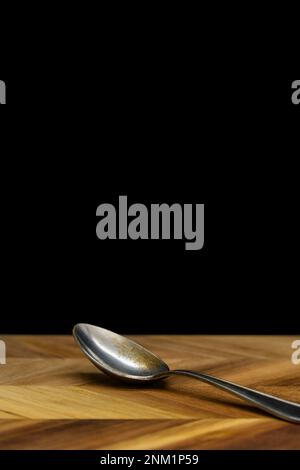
[{"x": 127, "y": 360}]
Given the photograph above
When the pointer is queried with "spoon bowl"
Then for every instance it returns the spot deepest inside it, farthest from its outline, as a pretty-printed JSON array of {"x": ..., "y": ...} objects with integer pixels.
[{"x": 117, "y": 355}]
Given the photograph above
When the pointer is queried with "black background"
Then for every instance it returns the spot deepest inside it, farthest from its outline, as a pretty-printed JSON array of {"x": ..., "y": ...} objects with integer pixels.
[{"x": 169, "y": 115}]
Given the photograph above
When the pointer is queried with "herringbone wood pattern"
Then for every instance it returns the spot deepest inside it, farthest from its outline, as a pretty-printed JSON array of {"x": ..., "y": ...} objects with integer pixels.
[{"x": 51, "y": 397}]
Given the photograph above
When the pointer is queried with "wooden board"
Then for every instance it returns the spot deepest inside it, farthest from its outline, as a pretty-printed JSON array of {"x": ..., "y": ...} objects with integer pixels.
[{"x": 51, "y": 397}]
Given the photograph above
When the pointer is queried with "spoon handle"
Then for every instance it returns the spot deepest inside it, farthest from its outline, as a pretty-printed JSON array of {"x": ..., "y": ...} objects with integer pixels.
[{"x": 276, "y": 406}]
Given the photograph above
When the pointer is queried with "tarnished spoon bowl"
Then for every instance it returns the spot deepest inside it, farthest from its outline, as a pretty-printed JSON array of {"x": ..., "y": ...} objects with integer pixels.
[{"x": 118, "y": 356}]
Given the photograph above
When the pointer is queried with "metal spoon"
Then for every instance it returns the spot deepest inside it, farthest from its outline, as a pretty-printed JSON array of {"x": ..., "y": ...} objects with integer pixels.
[{"x": 126, "y": 360}]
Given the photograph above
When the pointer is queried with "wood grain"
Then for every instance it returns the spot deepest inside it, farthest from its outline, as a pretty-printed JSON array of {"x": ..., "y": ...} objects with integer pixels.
[{"x": 51, "y": 397}]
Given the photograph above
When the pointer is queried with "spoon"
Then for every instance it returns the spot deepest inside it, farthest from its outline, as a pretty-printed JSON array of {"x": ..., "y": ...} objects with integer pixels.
[{"x": 127, "y": 360}]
